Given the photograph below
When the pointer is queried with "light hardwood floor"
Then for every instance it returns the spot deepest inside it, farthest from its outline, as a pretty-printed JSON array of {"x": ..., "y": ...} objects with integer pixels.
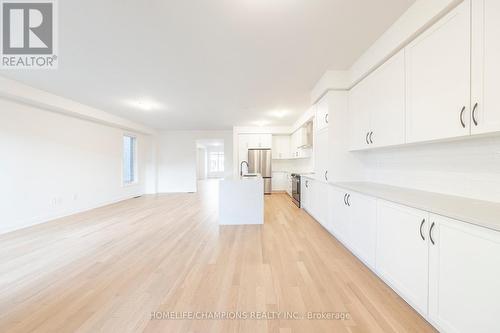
[{"x": 106, "y": 270}]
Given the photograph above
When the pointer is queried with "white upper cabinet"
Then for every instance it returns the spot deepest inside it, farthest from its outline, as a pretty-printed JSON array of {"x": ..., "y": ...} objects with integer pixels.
[
  {"x": 252, "y": 141},
  {"x": 256, "y": 141},
  {"x": 360, "y": 101},
  {"x": 402, "y": 251},
  {"x": 464, "y": 272},
  {"x": 281, "y": 147},
  {"x": 387, "y": 116},
  {"x": 265, "y": 141},
  {"x": 377, "y": 107},
  {"x": 438, "y": 78},
  {"x": 322, "y": 114},
  {"x": 485, "y": 66}
]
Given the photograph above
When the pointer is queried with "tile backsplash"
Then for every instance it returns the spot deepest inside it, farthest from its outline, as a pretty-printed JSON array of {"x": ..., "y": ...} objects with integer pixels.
[{"x": 469, "y": 168}]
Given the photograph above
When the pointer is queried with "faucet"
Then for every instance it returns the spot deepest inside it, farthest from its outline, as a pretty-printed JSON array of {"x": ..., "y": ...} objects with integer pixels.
[{"x": 241, "y": 167}]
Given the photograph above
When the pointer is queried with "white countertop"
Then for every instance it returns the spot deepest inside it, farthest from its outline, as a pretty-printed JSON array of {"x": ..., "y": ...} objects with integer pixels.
[
  {"x": 478, "y": 212},
  {"x": 256, "y": 176}
]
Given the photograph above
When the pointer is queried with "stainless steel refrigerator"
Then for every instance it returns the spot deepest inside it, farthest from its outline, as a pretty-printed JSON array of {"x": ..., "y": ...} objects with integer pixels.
[{"x": 259, "y": 161}]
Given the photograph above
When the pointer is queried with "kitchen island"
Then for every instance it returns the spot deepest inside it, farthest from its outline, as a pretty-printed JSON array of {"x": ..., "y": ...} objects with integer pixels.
[{"x": 241, "y": 200}]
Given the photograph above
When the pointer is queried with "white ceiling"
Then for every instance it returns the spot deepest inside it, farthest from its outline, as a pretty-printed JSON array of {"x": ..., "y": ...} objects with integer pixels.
[{"x": 207, "y": 64}]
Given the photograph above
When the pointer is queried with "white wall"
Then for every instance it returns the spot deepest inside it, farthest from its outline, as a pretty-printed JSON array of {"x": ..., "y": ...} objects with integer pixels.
[
  {"x": 469, "y": 168},
  {"x": 54, "y": 165},
  {"x": 201, "y": 163},
  {"x": 177, "y": 158}
]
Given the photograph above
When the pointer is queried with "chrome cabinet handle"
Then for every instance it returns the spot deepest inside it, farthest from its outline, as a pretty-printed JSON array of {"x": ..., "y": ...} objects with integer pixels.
[
  {"x": 462, "y": 117},
  {"x": 307, "y": 184},
  {"x": 474, "y": 114},
  {"x": 371, "y": 137},
  {"x": 326, "y": 118},
  {"x": 345, "y": 199},
  {"x": 421, "y": 225},
  {"x": 367, "y": 134},
  {"x": 430, "y": 233},
  {"x": 326, "y": 175},
  {"x": 348, "y": 198}
]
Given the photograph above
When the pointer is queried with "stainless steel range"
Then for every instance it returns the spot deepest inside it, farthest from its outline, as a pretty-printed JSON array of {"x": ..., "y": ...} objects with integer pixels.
[{"x": 296, "y": 189}]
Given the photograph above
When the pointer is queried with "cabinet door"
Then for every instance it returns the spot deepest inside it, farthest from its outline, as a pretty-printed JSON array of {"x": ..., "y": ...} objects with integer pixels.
[
  {"x": 464, "y": 290},
  {"x": 253, "y": 140},
  {"x": 485, "y": 66},
  {"x": 387, "y": 113},
  {"x": 294, "y": 151},
  {"x": 265, "y": 141},
  {"x": 279, "y": 181},
  {"x": 360, "y": 101},
  {"x": 304, "y": 193},
  {"x": 362, "y": 226},
  {"x": 304, "y": 153},
  {"x": 321, "y": 203},
  {"x": 438, "y": 79},
  {"x": 338, "y": 214},
  {"x": 322, "y": 114},
  {"x": 402, "y": 251},
  {"x": 281, "y": 146},
  {"x": 308, "y": 194},
  {"x": 276, "y": 153},
  {"x": 321, "y": 159}
]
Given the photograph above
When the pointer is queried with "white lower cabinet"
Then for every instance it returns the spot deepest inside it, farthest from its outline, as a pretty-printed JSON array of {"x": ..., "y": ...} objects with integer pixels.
[
  {"x": 338, "y": 214},
  {"x": 362, "y": 226},
  {"x": 464, "y": 289},
  {"x": 447, "y": 270},
  {"x": 320, "y": 205},
  {"x": 280, "y": 181},
  {"x": 352, "y": 218},
  {"x": 402, "y": 252},
  {"x": 306, "y": 187},
  {"x": 314, "y": 199}
]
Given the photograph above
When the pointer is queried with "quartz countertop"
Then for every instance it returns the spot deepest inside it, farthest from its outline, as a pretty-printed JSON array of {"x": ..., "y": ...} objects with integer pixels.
[
  {"x": 252, "y": 176},
  {"x": 482, "y": 213}
]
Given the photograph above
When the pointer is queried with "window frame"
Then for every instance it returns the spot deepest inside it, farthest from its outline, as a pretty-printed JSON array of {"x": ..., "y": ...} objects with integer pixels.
[
  {"x": 135, "y": 164},
  {"x": 221, "y": 166}
]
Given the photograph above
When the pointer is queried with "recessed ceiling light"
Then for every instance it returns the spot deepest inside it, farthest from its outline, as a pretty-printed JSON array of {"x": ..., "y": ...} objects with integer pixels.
[
  {"x": 144, "y": 104},
  {"x": 279, "y": 113}
]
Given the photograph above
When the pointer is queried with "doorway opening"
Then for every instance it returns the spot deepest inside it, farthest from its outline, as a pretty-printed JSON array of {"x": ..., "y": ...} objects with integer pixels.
[{"x": 210, "y": 159}]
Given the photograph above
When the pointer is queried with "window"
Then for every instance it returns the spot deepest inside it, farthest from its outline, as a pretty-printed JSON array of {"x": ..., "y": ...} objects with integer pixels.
[
  {"x": 216, "y": 162},
  {"x": 129, "y": 159}
]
